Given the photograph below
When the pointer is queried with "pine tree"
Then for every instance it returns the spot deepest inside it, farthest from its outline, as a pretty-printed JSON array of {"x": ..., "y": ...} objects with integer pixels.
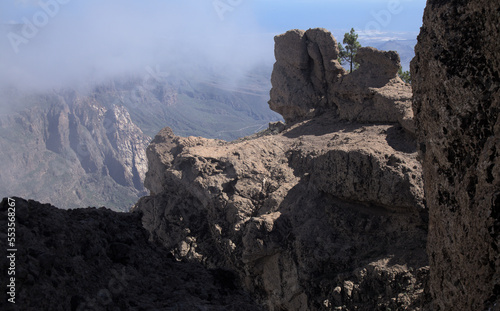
[
  {"x": 348, "y": 52},
  {"x": 404, "y": 75}
]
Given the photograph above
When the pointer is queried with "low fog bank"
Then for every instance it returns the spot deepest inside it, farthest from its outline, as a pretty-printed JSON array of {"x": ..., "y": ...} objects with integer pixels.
[{"x": 79, "y": 44}]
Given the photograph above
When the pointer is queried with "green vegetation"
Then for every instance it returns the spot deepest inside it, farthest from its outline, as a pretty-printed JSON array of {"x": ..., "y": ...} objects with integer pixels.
[
  {"x": 347, "y": 53},
  {"x": 404, "y": 75}
]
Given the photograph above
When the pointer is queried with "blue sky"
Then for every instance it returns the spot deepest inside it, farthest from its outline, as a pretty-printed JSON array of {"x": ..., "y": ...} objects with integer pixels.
[
  {"x": 72, "y": 39},
  {"x": 386, "y": 16},
  {"x": 271, "y": 15}
]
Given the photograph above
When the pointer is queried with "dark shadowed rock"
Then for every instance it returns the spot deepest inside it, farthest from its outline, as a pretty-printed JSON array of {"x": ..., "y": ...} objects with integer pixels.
[
  {"x": 457, "y": 103},
  {"x": 97, "y": 259}
]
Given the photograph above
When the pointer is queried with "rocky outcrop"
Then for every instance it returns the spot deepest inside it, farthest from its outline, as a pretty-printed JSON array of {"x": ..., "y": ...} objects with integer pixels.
[
  {"x": 324, "y": 215},
  {"x": 308, "y": 80},
  {"x": 456, "y": 87},
  {"x": 305, "y": 69},
  {"x": 97, "y": 259},
  {"x": 374, "y": 92}
]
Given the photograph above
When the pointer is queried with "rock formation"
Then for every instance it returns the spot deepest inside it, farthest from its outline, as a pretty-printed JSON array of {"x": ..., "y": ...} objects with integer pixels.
[
  {"x": 457, "y": 102},
  {"x": 308, "y": 80},
  {"x": 97, "y": 259},
  {"x": 325, "y": 213},
  {"x": 374, "y": 92},
  {"x": 306, "y": 67}
]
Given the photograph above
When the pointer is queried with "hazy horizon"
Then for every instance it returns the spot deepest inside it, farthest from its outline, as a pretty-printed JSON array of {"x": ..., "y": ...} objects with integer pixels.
[{"x": 63, "y": 43}]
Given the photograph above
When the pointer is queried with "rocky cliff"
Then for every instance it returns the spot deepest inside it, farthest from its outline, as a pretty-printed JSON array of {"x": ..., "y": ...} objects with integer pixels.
[
  {"x": 74, "y": 151},
  {"x": 457, "y": 104},
  {"x": 324, "y": 213}
]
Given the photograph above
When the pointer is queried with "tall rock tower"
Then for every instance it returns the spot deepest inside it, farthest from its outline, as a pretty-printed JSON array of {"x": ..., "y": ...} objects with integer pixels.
[{"x": 456, "y": 88}]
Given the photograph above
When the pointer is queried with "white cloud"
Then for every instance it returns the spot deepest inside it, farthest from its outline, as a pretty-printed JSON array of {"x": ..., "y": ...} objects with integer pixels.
[
  {"x": 93, "y": 39},
  {"x": 373, "y": 35}
]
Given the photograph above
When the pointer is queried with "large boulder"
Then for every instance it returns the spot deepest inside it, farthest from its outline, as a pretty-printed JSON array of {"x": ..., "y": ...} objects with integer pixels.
[
  {"x": 306, "y": 65},
  {"x": 456, "y": 87},
  {"x": 377, "y": 67},
  {"x": 374, "y": 92}
]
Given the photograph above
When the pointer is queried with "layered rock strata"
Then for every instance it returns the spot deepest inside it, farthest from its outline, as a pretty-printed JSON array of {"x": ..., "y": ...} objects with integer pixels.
[{"x": 457, "y": 102}]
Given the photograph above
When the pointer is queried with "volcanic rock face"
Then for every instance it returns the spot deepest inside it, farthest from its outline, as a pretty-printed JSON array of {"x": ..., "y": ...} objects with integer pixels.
[
  {"x": 96, "y": 259},
  {"x": 374, "y": 92},
  {"x": 457, "y": 105},
  {"x": 325, "y": 214},
  {"x": 308, "y": 80}
]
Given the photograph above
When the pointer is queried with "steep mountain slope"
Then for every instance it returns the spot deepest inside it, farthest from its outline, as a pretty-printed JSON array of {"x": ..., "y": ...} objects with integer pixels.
[{"x": 73, "y": 151}]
